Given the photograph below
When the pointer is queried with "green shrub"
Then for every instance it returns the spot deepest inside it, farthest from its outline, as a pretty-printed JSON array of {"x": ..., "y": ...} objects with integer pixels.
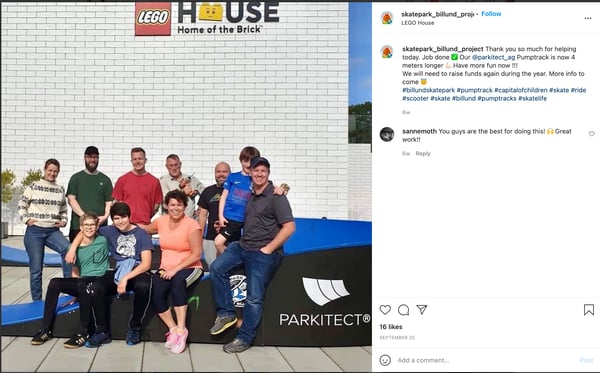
[
  {"x": 31, "y": 176},
  {"x": 8, "y": 185}
]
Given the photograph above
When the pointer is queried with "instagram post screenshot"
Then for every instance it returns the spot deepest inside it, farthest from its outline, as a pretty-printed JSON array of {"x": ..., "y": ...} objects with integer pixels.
[{"x": 486, "y": 151}]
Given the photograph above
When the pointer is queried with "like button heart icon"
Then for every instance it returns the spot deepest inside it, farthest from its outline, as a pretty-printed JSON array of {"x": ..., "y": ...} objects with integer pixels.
[{"x": 384, "y": 308}]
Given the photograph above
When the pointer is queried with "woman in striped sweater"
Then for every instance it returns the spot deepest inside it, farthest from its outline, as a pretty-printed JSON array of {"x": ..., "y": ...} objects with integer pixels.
[{"x": 43, "y": 207}]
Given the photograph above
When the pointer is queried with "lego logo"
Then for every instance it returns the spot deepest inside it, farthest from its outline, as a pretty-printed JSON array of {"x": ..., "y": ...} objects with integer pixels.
[{"x": 151, "y": 17}]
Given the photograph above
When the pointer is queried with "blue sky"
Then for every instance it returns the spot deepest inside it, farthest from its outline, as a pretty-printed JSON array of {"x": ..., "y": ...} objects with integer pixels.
[{"x": 359, "y": 58}]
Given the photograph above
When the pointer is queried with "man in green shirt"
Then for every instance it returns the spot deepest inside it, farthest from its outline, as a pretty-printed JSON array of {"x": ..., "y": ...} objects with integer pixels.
[{"x": 89, "y": 190}]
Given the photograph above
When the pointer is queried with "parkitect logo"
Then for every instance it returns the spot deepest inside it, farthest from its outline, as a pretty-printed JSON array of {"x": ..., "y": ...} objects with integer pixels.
[
  {"x": 235, "y": 17},
  {"x": 321, "y": 292},
  {"x": 324, "y": 291}
]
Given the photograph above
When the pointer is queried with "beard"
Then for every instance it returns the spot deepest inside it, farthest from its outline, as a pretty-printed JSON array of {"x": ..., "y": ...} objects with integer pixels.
[{"x": 91, "y": 167}]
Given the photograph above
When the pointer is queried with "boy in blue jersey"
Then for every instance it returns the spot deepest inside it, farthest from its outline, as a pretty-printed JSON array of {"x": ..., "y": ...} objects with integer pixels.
[
  {"x": 237, "y": 190},
  {"x": 236, "y": 193}
]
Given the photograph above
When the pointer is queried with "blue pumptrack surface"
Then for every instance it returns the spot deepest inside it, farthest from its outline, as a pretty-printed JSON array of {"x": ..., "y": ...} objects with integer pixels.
[
  {"x": 327, "y": 234},
  {"x": 24, "y": 312},
  {"x": 11, "y": 254},
  {"x": 324, "y": 234}
]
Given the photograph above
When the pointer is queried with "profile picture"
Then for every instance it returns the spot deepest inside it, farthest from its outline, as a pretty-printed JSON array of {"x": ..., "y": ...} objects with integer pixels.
[
  {"x": 386, "y": 18},
  {"x": 386, "y": 51},
  {"x": 386, "y": 134}
]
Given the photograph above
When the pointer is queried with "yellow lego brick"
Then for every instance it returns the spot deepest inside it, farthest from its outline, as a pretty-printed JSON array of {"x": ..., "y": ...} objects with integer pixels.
[{"x": 210, "y": 12}]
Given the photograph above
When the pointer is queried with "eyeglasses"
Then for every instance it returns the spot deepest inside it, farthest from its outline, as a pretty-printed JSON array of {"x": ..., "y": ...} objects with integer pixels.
[{"x": 88, "y": 225}]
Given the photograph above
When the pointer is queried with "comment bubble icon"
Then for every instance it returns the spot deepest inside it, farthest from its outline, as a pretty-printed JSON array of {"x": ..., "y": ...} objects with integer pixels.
[{"x": 403, "y": 310}]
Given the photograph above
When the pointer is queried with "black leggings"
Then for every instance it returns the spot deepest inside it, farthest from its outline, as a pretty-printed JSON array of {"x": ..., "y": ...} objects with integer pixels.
[
  {"x": 104, "y": 286},
  {"x": 177, "y": 287},
  {"x": 72, "y": 286}
]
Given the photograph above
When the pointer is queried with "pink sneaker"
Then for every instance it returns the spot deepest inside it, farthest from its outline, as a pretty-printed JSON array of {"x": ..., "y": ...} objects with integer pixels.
[
  {"x": 180, "y": 342},
  {"x": 171, "y": 338}
]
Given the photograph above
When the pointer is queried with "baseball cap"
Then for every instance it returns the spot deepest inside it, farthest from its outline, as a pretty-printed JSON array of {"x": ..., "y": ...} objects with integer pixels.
[
  {"x": 91, "y": 150},
  {"x": 260, "y": 160}
]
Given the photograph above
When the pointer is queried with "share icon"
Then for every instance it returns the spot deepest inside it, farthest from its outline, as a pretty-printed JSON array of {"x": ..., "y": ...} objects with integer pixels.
[{"x": 421, "y": 308}]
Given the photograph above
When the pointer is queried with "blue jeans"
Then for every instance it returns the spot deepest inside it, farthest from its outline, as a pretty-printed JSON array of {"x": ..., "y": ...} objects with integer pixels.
[
  {"x": 259, "y": 269},
  {"x": 35, "y": 239}
]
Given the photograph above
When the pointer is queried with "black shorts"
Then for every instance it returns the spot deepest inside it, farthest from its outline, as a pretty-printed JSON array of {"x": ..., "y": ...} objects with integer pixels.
[{"x": 232, "y": 231}]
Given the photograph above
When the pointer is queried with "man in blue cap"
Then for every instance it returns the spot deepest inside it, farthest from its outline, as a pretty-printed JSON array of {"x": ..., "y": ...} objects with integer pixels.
[{"x": 268, "y": 224}]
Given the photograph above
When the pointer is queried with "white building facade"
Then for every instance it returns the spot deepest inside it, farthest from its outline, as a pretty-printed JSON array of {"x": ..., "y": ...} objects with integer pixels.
[{"x": 273, "y": 76}]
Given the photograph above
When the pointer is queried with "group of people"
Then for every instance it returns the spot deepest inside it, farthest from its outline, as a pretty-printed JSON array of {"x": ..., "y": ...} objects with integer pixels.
[{"x": 243, "y": 219}]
